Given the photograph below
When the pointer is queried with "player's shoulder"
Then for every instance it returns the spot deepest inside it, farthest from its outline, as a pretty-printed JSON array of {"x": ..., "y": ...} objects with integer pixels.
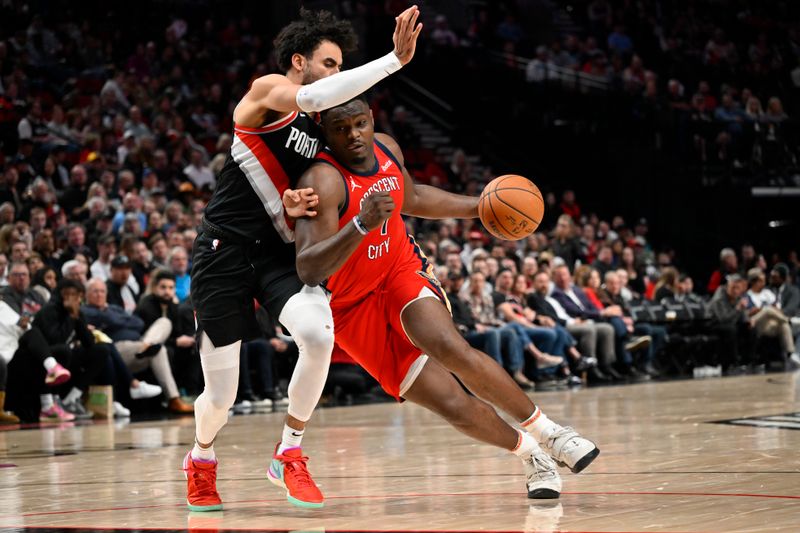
[
  {"x": 388, "y": 142},
  {"x": 264, "y": 84}
]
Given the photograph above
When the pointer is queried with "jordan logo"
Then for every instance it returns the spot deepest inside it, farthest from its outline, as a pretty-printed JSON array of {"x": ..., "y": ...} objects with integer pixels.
[
  {"x": 386, "y": 165},
  {"x": 353, "y": 184},
  {"x": 214, "y": 244}
]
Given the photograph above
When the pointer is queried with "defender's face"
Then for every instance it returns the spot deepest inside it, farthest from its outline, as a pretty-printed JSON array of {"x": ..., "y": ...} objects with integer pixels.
[
  {"x": 326, "y": 60},
  {"x": 350, "y": 131}
]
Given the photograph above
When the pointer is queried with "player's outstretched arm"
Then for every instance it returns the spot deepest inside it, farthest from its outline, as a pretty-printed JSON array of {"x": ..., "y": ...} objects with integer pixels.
[
  {"x": 275, "y": 92},
  {"x": 425, "y": 201},
  {"x": 322, "y": 248}
]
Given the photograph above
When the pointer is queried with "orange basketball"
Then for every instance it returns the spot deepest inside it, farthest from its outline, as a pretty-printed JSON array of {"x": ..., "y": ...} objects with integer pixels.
[{"x": 511, "y": 207}]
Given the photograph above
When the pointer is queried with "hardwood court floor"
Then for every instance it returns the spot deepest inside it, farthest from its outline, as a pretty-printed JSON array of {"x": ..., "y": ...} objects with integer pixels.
[{"x": 665, "y": 466}]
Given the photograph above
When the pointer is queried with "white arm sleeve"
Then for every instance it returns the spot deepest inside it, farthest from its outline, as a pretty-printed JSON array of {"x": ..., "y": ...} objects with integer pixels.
[{"x": 339, "y": 88}]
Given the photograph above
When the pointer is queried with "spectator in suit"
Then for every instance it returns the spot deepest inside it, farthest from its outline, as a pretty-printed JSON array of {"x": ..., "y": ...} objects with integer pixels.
[
  {"x": 787, "y": 298},
  {"x": 611, "y": 294},
  {"x": 728, "y": 310},
  {"x": 595, "y": 339},
  {"x": 786, "y": 294},
  {"x": 577, "y": 305}
]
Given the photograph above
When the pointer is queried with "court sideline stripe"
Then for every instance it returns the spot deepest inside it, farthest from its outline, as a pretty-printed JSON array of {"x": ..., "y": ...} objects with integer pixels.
[{"x": 443, "y": 494}]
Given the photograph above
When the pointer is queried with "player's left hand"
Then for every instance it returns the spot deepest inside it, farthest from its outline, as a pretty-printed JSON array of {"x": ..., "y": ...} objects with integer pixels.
[
  {"x": 300, "y": 202},
  {"x": 405, "y": 34}
]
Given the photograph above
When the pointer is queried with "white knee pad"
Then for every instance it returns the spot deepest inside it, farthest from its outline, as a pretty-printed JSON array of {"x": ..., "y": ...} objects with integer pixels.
[
  {"x": 308, "y": 319},
  {"x": 221, "y": 373}
]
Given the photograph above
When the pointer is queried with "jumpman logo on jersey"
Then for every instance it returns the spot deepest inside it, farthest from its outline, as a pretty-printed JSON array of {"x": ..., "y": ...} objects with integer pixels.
[{"x": 354, "y": 185}]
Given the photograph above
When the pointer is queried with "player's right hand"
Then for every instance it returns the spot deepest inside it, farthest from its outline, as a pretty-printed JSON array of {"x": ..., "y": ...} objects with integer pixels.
[
  {"x": 405, "y": 34},
  {"x": 377, "y": 207}
]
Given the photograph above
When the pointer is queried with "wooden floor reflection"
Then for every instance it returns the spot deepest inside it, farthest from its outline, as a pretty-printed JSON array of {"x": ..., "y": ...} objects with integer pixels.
[{"x": 666, "y": 465}]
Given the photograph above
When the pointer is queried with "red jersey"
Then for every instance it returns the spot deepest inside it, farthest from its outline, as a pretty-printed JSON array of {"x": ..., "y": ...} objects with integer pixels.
[{"x": 383, "y": 248}]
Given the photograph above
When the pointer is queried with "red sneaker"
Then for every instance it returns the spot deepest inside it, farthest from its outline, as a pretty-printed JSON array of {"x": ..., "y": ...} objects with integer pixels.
[
  {"x": 202, "y": 492},
  {"x": 288, "y": 470}
]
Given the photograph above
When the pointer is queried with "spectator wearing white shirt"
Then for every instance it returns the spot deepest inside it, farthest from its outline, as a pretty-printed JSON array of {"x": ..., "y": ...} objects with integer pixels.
[
  {"x": 106, "y": 249},
  {"x": 766, "y": 319},
  {"x": 198, "y": 172}
]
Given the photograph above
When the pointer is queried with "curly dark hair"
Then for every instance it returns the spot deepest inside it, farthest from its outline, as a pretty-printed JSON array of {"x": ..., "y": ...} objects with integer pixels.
[{"x": 303, "y": 36}]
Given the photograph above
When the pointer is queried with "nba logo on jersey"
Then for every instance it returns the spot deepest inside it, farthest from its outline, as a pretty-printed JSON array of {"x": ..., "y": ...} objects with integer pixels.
[
  {"x": 214, "y": 244},
  {"x": 353, "y": 184}
]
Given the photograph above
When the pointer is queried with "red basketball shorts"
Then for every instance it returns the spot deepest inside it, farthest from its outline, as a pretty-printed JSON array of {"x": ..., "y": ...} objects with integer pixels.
[{"x": 372, "y": 333}]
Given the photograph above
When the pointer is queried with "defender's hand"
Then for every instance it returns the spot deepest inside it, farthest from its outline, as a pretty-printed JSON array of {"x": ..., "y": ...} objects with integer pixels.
[
  {"x": 406, "y": 33},
  {"x": 377, "y": 208},
  {"x": 300, "y": 202}
]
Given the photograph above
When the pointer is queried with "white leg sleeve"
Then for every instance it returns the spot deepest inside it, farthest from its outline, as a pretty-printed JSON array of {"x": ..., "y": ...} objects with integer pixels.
[
  {"x": 308, "y": 319},
  {"x": 221, "y": 373}
]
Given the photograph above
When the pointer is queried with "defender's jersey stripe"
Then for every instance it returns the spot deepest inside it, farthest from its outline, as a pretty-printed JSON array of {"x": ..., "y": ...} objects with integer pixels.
[{"x": 266, "y": 177}]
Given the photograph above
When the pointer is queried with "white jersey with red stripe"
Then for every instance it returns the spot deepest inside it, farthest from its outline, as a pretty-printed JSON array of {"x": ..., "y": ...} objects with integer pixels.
[{"x": 262, "y": 164}]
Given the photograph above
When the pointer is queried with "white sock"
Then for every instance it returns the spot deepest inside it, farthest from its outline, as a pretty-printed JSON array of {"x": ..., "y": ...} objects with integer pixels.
[
  {"x": 46, "y": 400},
  {"x": 539, "y": 425},
  {"x": 50, "y": 363},
  {"x": 74, "y": 395},
  {"x": 203, "y": 454},
  {"x": 525, "y": 445},
  {"x": 291, "y": 438}
]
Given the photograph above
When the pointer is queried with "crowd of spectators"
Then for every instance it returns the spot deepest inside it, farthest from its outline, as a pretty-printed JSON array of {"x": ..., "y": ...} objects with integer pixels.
[
  {"x": 111, "y": 148},
  {"x": 710, "y": 79}
]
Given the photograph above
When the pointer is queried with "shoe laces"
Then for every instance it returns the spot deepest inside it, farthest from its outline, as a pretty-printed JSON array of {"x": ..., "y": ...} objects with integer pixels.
[
  {"x": 544, "y": 467},
  {"x": 204, "y": 480},
  {"x": 297, "y": 465}
]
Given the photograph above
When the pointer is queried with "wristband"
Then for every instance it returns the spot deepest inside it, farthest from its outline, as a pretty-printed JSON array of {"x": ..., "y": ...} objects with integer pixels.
[{"x": 359, "y": 224}]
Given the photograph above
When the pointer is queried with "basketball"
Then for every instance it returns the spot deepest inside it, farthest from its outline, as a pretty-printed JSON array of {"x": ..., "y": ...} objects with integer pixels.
[{"x": 511, "y": 207}]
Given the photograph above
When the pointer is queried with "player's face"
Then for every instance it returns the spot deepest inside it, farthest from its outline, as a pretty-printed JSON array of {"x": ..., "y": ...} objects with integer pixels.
[
  {"x": 325, "y": 61},
  {"x": 349, "y": 131}
]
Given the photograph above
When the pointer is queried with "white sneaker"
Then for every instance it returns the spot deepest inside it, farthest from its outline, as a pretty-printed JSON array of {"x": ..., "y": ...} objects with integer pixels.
[
  {"x": 145, "y": 390},
  {"x": 120, "y": 411},
  {"x": 281, "y": 402},
  {"x": 264, "y": 404},
  {"x": 794, "y": 361},
  {"x": 543, "y": 480},
  {"x": 242, "y": 407},
  {"x": 570, "y": 449}
]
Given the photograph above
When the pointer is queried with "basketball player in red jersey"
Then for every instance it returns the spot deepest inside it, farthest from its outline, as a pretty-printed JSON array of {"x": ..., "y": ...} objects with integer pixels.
[
  {"x": 245, "y": 248},
  {"x": 391, "y": 315}
]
